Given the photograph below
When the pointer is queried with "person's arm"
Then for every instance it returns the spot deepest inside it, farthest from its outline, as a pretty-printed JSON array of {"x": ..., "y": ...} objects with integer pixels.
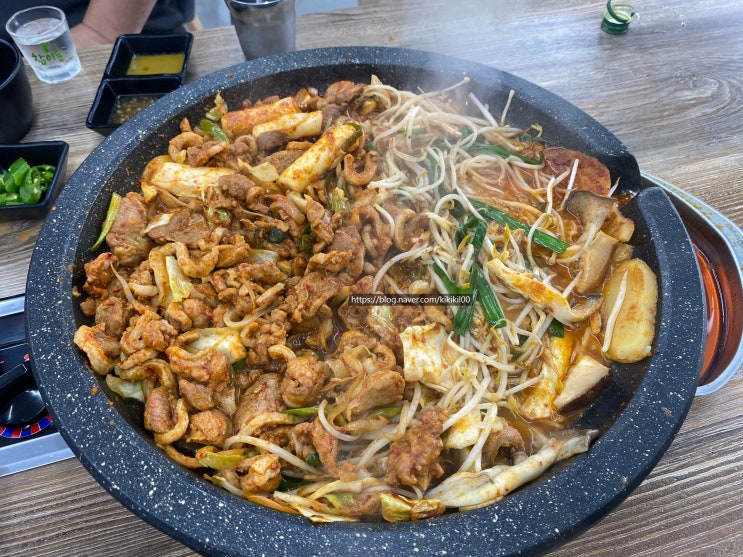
[{"x": 105, "y": 20}]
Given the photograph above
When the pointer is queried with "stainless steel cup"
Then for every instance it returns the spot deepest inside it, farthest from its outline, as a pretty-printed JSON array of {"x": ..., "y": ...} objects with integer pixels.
[{"x": 264, "y": 26}]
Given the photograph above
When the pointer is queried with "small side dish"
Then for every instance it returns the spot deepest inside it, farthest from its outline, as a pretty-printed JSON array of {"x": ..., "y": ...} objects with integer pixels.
[
  {"x": 120, "y": 99},
  {"x": 31, "y": 175}
]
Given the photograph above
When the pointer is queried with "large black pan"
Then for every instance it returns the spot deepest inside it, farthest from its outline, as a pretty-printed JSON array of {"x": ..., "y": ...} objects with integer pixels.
[{"x": 638, "y": 416}]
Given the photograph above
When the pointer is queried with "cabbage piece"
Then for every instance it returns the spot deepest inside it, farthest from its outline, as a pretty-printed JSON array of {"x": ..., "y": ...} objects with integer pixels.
[
  {"x": 180, "y": 285},
  {"x": 222, "y": 339},
  {"x": 124, "y": 388},
  {"x": 425, "y": 360},
  {"x": 396, "y": 508}
]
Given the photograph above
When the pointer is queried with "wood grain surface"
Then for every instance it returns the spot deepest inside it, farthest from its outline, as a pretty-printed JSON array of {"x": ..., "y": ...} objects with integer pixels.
[{"x": 671, "y": 89}]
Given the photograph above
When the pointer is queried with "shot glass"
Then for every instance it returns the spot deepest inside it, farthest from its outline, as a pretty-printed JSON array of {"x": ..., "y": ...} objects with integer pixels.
[
  {"x": 44, "y": 38},
  {"x": 264, "y": 26}
]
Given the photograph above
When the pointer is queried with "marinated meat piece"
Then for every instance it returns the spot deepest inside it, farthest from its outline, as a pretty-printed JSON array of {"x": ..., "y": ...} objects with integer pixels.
[
  {"x": 261, "y": 334},
  {"x": 501, "y": 445},
  {"x": 100, "y": 348},
  {"x": 210, "y": 427},
  {"x": 313, "y": 290},
  {"x": 262, "y": 396},
  {"x": 259, "y": 474},
  {"x": 272, "y": 140},
  {"x": 326, "y": 444},
  {"x": 236, "y": 185},
  {"x": 126, "y": 237},
  {"x": 184, "y": 225},
  {"x": 148, "y": 330},
  {"x": 159, "y": 411},
  {"x": 592, "y": 174},
  {"x": 282, "y": 159},
  {"x": 266, "y": 273},
  {"x": 333, "y": 261},
  {"x": 98, "y": 274},
  {"x": 303, "y": 381},
  {"x": 330, "y": 113},
  {"x": 320, "y": 224},
  {"x": 342, "y": 92},
  {"x": 114, "y": 314},
  {"x": 205, "y": 366},
  {"x": 199, "y": 313},
  {"x": 413, "y": 461},
  {"x": 198, "y": 396},
  {"x": 379, "y": 388}
]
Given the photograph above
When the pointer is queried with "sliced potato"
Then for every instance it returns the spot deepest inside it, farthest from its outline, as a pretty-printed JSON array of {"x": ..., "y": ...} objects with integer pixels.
[
  {"x": 583, "y": 381},
  {"x": 628, "y": 312}
]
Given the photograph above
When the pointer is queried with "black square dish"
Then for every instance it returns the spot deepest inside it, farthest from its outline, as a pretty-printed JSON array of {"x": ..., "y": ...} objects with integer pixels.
[
  {"x": 150, "y": 55},
  {"x": 43, "y": 152},
  {"x": 115, "y": 94}
]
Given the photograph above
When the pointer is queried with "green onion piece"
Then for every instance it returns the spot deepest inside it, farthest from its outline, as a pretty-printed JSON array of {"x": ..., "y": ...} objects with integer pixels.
[
  {"x": 449, "y": 284},
  {"x": 488, "y": 149},
  {"x": 388, "y": 412},
  {"x": 465, "y": 316},
  {"x": 239, "y": 365},
  {"x": 218, "y": 461},
  {"x": 305, "y": 411},
  {"x": 504, "y": 219},
  {"x": 286, "y": 485},
  {"x": 557, "y": 329},
  {"x": 213, "y": 130},
  {"x": 488, "y": 302},
  {"x": 113, "y": 209},
  {"x": 351, "y": 141},
  {"x": 313, "y": 459}
]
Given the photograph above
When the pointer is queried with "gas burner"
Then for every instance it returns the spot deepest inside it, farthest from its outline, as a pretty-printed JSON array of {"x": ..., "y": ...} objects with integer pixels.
[{"x": 28, "y": 437}]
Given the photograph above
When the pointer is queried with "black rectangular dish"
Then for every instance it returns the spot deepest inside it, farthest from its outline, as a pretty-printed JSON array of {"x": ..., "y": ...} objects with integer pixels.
[{"x": 38, "y": 153}]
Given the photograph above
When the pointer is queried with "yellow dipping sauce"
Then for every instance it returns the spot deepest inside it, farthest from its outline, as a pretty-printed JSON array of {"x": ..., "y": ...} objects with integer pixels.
[{"x": 150, "y": 64}]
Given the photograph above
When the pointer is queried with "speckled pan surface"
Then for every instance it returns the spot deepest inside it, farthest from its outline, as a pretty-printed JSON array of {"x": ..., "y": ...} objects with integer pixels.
[{"x": 638, "y": 415}]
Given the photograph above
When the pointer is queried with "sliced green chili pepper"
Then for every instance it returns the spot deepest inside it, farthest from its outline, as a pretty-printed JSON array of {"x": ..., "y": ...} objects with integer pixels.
[
  {"x": 113, "y": 209},
  {"x": 218, "y": 216},
  {"x": 213, "y": 130},
  {"x": 30, "y": 190},
  {"x": 18, "y": 170},
  {"x": 274, "y": 235},
  {"x": 306, "y": 241}
]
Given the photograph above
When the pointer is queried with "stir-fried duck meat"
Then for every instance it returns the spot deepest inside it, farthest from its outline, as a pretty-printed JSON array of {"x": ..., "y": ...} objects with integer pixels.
[
  {"x": 228, "y": 300},
  {"x": 126, "y": 238},
  {"x": 414, "y": 460}
]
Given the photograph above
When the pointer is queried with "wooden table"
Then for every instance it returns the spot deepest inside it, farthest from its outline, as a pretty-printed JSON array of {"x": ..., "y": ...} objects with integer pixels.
[{"x": 670, "y": 88}]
